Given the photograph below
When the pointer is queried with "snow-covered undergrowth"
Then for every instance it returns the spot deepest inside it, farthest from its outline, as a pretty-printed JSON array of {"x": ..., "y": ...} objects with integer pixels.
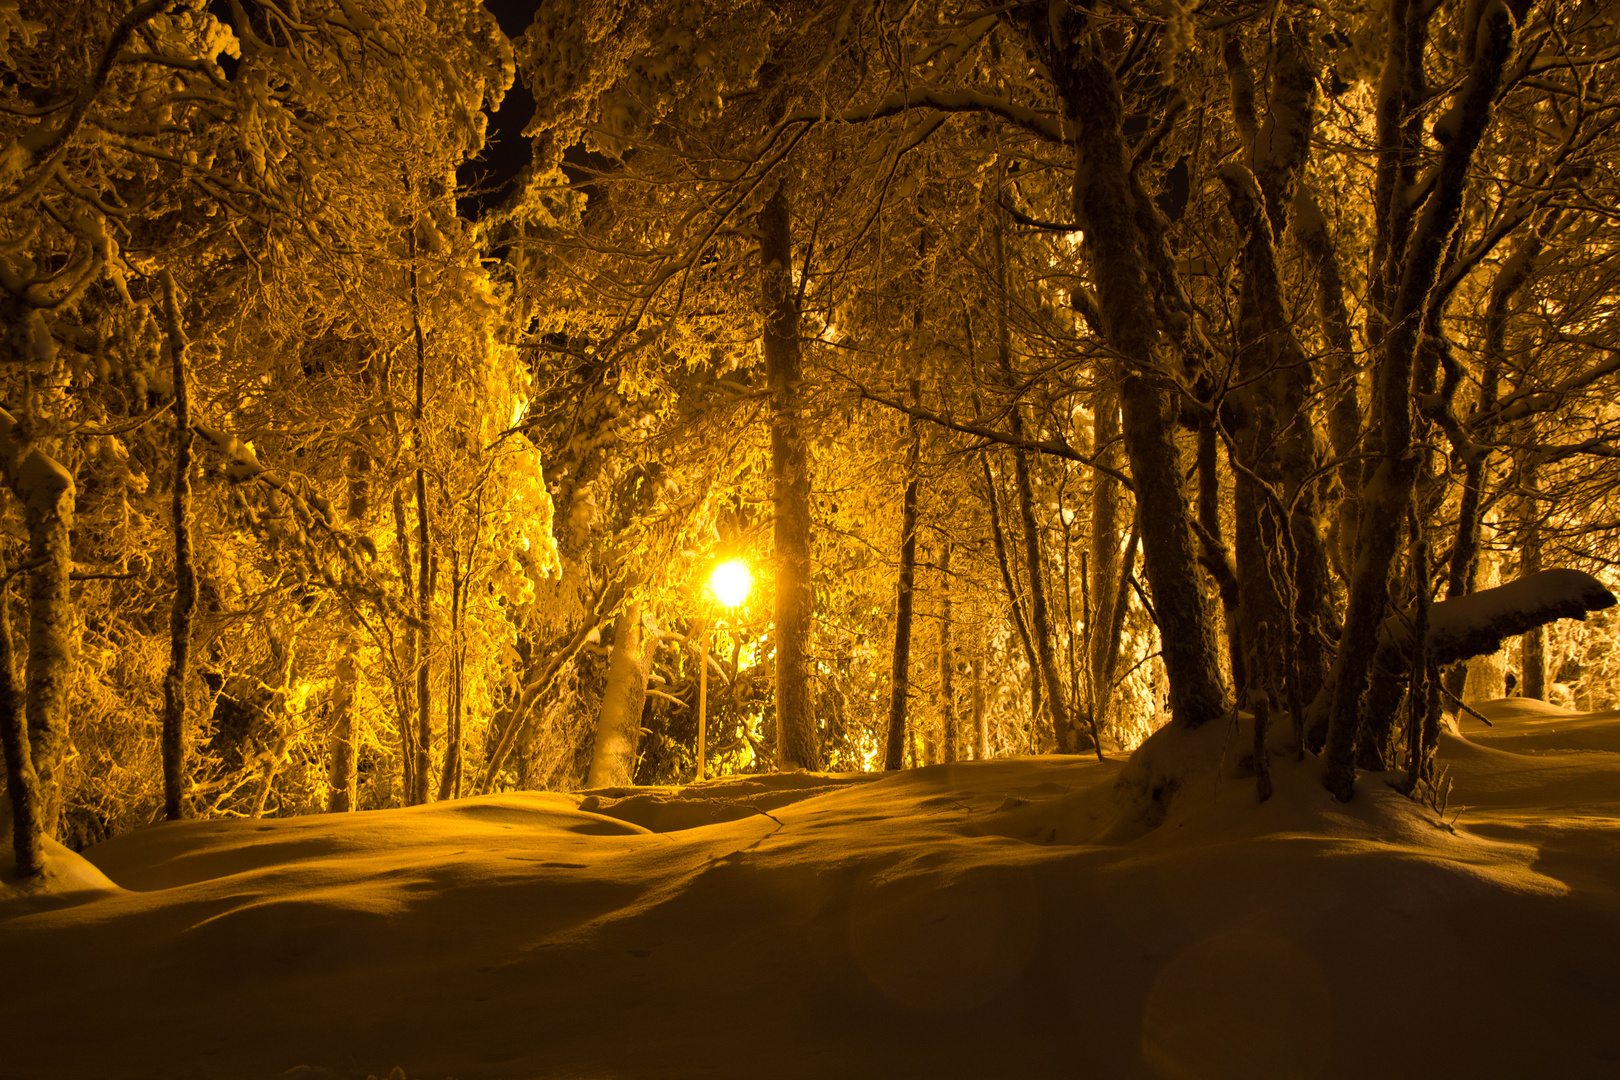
[{"x": 1019, "y": 918}]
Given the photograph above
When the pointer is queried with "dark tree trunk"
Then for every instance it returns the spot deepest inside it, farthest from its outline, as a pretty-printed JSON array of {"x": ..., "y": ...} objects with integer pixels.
[
  {"x": 404, "y": 669},
  {"x": 422, "y": 632},
  {"x": 185, "y": 574},
  {"x": 46, "y": 493},
  {"x": 22, "y": 785},
  {"x": 998, "y": 539},
  {"x": 1040, "y": 628},
  {"x": 1533, "y": 645},
  {"x": 900, "y": 670},
  {"x": 1103, "y": 202},
  {"x": 981, "y": 726},
  {"x": 343, "y": 746},
  {"x": 1392, "y": 473},
  {"x": 342, "y": 776},
  {"x": 796, "y": 743},
  {"x": 1103, "y": 563},
  {"x": 947, "y": 661},
  {"x": 1465, "y": 551}
]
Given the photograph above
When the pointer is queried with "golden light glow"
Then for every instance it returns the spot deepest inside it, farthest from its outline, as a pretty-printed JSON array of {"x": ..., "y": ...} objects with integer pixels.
[{"x": 730, "y": 582}]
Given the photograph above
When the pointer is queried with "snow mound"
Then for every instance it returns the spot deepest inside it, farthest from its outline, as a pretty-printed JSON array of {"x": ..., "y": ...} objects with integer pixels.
[
  {"x": 68, "y": 878},
  {"x": 1022, "y": 917}
]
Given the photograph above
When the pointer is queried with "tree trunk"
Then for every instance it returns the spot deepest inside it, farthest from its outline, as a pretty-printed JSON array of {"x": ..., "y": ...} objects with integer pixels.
[
  {"x": 342, "y": 775},
  {"x": 1344, "y": 416},
  {"x": 900, "y": 670},
  {"x": 618, "y": 724},
  {"x": 185, "y": 574},
  {"x": 1515, "y": 272},
  {"x": 998, "y": 540},
  {"x": 344, "y": 746},
  {"x": 1040, "y": 628},
  {"x": 22, "y": 785},
  {"x": 981, "y": 725},
  {"x": 1103, "y": 203},
  {"x": 796, "y": 743},
  {"x": 450, "y": 777},
  {"x": 424, "y": 558},
  {"x": 46, "y": 493},
  {"x": 1389, "y": 480},
  {"x": 1533, "y": 645},
  {"x": 1105, "y": 528},
  {"x": 947, "y": 661},
  {"x": 403, "y": 674}
]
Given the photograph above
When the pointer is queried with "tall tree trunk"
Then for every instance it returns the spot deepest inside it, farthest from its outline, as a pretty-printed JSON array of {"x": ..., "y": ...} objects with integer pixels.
[
  {"x": 947, "y": 659},
  {"x": 1512, "y": 276},
  {"x": 185, "y": 574},
  {"x": 404, "y": 668},
  {"x": 22, "y": 785},
  {"x": 46, "y": 493},
  {"x": 796, "y": 743},
  {"x": 1390, "y": 477},
  {"x": 1533, "y": 645},
  {"x": 900, "y": 669},
  {"x": 424, "y": 557},
  {"x": 998, "y": 540},
  {"x": 1105, "y": 529},
  {"x": 342, "y": 775},
  {"x": 1103, "y": 202},
  {"x": 618, "y": 723},
  {"x": 1342, "y": 370},
  {"x": 1040, "y": 627},
  {"x": 343, "y": 746},
  {"x": 1209, "y": 520},
  {"x": 981, "y": 720},
  {"x": 450, "y": 777}
]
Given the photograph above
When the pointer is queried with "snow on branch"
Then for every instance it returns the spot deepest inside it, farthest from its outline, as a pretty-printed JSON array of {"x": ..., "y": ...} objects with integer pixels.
[{"x": 1478, "y": 624}]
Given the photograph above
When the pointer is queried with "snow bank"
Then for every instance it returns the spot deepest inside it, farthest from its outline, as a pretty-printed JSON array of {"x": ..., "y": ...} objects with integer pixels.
[{"x": 1028, "y": 917}]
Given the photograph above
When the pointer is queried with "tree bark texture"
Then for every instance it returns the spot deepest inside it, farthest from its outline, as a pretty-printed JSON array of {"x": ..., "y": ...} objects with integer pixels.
[
  {"x": 905, "y": 589},
  {"x": 1341, "y": 373},
  {"x": 998, "y": 539},
  {"x": 46, "y": 493},
  {"x": 1040, "y": 626},
  {"x": 185, "y": 573},
  {"x": 422, "y": 632},
  {"x": 342, "y": 774},
  {"x": 22, "y": 784},
  {"x": 981, "y": 725},
  {"x": 404, "y": 668},
  {"x": 796, "y": 742},
  {"x": 618, "y": 723},
  {"x": 1533, "y": 645},
  {"x": 1388, "y": 483},
  {"x": 1103, "y": 564},
  {"x": 947, "y": 659},
  {"x": 1104, "y": 204}
]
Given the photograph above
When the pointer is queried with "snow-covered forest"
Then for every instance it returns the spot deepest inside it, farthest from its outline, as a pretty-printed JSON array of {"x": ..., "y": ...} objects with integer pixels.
[{"x": 1148, "y": 429}]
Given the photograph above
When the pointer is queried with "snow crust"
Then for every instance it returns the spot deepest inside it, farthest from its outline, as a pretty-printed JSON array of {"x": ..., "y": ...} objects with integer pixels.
[{"x": 1034, "y": 917}]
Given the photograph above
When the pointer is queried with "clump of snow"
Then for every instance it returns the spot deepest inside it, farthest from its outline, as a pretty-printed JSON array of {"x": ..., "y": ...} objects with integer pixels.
[
  {"x": 67, "y": 879},
  {"x": 1479, "y": 623},
  {"x": 1050, "y": 916}
]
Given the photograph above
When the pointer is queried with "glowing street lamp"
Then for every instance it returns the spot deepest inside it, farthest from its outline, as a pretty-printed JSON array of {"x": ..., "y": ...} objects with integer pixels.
[{"x": 728, "y": 584}]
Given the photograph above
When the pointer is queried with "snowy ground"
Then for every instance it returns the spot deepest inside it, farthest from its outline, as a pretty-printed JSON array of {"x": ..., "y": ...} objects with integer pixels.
[{"x": 1027, "y": 918}]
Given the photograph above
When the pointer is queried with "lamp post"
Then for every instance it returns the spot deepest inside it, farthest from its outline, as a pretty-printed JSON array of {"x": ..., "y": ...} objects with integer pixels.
[{"x": 728, "y": 584}]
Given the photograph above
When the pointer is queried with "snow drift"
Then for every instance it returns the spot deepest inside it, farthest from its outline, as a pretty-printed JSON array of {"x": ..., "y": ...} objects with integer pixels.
[{"x": 1033, "y": 917}]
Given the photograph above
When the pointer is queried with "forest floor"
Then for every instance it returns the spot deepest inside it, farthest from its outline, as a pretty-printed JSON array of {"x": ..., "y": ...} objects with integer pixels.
[{"x": 1034, "y": 917}]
